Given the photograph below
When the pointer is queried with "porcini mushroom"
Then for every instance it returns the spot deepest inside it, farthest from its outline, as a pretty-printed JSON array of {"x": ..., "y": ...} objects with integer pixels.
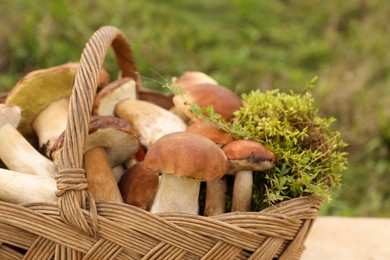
[
  {"x": 189, "y": 78},
  {"x": 215, "y": 189},
  {"x": 184, "y": 160},
  {"x": 15, "y": 151},
  {"x": 43, "y": 97},
  {"x": 19, "y": 187},
  {"x": 138, "y": 186},
  {"x": 246, "y": 156},
  {"x": 224, "y": 101},
  {"x": 111, "y": 141},
  {"x": 112, "y": 94}
]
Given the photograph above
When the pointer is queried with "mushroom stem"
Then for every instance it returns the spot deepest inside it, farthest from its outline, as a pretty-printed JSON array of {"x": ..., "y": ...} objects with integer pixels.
[
  {"x": 19, "y": 155},
  {"x": 242, "y": 191},
  {"x": 215, "y": 197},
  {"x": 50, "y": 123},
  {"x": 101, "y": 182},
  {"x": 19, "y": 187},
  {"x": 176, "y": 194},
  {"x": 150, "y": 120}
]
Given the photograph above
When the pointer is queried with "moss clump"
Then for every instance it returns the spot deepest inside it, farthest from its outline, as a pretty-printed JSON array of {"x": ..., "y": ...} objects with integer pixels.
[{"x": 310, "y": 154}]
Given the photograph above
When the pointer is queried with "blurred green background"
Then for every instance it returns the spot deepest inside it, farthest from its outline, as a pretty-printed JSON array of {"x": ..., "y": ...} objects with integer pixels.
[{"x": 244, "y": 45}]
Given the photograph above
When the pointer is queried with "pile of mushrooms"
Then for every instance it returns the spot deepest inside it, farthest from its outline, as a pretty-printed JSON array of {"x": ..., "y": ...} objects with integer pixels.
[{"x": 144, "y": 148}]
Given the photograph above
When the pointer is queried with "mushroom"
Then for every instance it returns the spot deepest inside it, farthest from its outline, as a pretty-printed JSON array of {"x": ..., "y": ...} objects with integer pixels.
[
  {"x": 211, "y": 131},
  {"x": 19, "y": 187},
  {"x": 43, "y": 97},
  {"x": 138, "y": 186},
  {"x": 246, "y": 156},
  {"x": 189, "y": 78},
  {"x": 15, "y": 151},
  {"x": 215, "y": 189},
  {"x": 111, "y": 141},
  {"x": 150, "y": 121},
  {"x": 224, "y": 101},
  {"x": 112, "y": 94},
  {"x": 184, "y": 160}
]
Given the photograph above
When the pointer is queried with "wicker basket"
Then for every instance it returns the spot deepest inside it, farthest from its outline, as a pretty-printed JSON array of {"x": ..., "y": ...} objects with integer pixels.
[{"x": 78, "y": 227}]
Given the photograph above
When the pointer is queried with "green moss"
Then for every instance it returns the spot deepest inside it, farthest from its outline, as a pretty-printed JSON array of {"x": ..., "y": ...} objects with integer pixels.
[{"x": 310, "y": 154}]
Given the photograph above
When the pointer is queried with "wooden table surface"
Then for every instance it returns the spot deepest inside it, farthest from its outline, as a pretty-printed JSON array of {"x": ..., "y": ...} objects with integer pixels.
[{"x": 342, "y": 238}]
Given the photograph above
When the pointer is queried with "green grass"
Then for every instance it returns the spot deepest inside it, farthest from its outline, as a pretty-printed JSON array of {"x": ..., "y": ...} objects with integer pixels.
[{"x": 244, "y": 45}]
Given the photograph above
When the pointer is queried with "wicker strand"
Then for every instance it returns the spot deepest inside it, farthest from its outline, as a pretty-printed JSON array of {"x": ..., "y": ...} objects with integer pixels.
[{"x": 72, "y": 191}]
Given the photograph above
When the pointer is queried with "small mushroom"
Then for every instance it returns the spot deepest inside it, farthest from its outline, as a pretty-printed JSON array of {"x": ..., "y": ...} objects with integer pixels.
[
  {"x": 150, "y": 121},
  {"x": 244, "y": 157},
  {"x": 138, "y": 186},
  {"x": 184, "y": 160},
  {"x": 111, "y": 141},
  {"x": 224, "y": 101},
  {"x": 19, "y": 187},
  {"x": 107, "y": 98},
  {"x": 215, "y": 189},
  {"x": 189, "y": 78},
  {"x": 15, "y": 151}
]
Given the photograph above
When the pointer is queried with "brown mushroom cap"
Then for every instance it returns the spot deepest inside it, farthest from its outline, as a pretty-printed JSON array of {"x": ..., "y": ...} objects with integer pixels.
[
  {"x": 138, "y": 185},
  {"x": 211, "y": 131},
  {"x": 224, "y": 101},
  {"x": 189, "y": 78},
  {"x": 187, "y": 155},
  {"x": 248, "y": 155}
]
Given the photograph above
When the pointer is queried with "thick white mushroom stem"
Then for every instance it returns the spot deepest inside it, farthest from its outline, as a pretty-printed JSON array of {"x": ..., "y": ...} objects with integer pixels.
[
  {"x": 215, "y": 197},
  {"x": 242, "y": 191},
  {"x": 19, "y": 155},
  {"x": 19, "y": 187},
  {"x": 50, "y": 123},
  {"x": 176, "y": 194},
  {"x": 101, "y": 182}
]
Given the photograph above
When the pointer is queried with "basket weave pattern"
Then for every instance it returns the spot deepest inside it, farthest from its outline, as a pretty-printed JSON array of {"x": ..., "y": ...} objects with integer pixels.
[{"x": 77, "y": 227}]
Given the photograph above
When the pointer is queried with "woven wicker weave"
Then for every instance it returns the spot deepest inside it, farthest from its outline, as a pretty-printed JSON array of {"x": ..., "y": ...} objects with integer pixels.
[{"x": 77, "y": 227}]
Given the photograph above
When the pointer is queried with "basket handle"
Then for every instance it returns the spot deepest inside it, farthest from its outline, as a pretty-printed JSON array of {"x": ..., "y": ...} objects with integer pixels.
[{"x": 71, "y": 180}]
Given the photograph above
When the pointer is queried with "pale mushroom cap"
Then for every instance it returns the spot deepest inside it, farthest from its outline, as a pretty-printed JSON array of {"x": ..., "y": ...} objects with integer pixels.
[
  {"x": 224, "y": 101},
  {"x": 117, "y": 136},
  {"x": 187, "y": 155},
  {"x": 114, "y": 134},
  {"x": 211, "y": 131},
  {"x": 112, "y": 94},
  {"x": 248, "y": 155}
]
